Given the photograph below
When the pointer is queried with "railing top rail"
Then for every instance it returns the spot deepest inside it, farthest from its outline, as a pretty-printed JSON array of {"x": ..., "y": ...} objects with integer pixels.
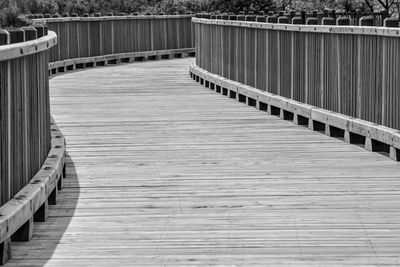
[
  {"x": 362, "y": 30},
  {"x": 17, "y": 50},
  {"x": 105, "y": 18}
]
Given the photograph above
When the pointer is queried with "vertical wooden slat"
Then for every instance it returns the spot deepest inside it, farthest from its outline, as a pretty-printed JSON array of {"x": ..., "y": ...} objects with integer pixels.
[{"x": 350, "y": 73}]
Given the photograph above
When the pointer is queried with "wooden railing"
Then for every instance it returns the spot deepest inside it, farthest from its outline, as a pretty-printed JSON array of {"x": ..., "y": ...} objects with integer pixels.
[
  {"x": 348, "y": 70},
  {"x": 32, "y": 158},
  {"x": 25, "y": 111},
  {"x": 84, "y": 37}
]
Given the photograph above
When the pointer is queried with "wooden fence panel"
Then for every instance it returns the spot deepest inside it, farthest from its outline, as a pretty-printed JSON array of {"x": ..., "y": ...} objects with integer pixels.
[
  {"x": 349, "y": 70},
  {"x": 25, "y": 113},
  {"x": 99, "y": 36}
]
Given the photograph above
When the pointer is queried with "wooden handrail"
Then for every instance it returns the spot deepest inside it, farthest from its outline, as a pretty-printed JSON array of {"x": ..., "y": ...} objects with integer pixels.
[
  {"x": 13, "y": 51},
  {"x": 105, "y": 18},
  {"x": 360, "y": 30}
]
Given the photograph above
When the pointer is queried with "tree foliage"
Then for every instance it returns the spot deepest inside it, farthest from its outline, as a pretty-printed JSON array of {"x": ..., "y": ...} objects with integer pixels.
[
  {"x": 390, "y": 6},
  {"x": 9, "y": 9}
]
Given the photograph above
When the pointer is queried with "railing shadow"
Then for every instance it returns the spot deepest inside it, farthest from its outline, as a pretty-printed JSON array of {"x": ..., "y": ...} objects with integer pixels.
[{"x": 48, "y": 235}]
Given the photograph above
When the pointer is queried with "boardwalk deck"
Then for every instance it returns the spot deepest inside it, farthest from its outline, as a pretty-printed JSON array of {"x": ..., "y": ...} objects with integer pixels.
[{"x": 162, "y": 172}]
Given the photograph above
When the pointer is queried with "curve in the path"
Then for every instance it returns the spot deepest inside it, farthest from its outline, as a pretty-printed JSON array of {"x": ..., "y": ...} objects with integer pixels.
[{"x": 162, "y": 172}]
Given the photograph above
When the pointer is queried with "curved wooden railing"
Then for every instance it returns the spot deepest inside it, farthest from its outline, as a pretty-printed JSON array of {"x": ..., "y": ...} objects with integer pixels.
[
  {"x": 25, "y": 119},
  {"x": 32, "y": 148},
  {"x": 94, "y": 41},
  {"x": 349, "y": 70}
]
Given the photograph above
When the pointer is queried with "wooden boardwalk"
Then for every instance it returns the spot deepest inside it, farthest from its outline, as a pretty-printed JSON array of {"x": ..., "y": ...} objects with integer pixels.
[{"x": 163, "y": 172}]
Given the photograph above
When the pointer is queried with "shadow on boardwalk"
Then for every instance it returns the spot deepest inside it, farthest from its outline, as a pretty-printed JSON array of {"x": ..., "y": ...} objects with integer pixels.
[{"x": 36, "y": 252}]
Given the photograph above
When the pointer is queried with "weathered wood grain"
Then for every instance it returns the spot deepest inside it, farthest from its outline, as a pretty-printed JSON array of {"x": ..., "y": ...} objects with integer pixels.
[
  {"x": 99, "y": 36},
  {"x": 347, "y": 69},
  {"x": 163, "y": 172},
  {"x": 24, "y": 112}
]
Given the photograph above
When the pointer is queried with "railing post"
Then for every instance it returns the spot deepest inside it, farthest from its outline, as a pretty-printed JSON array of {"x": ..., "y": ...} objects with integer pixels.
[
  {"x": 5, "y": 193},
  {"x": 342, "y": 21},
  {"x": 359, "y": 91},
  {"x": 303, "y": 15},
  {"x": 292, "y": 14},
  {"x": 388, "y": 22},
  {"x": 391, "y": 22},
  {"x": 261, "y": 17},
  {"x": 39, "y": 30},
  {"x": 241, "y": 16},
  {"x": 283, "y": 20},
  {"x": 384, "y": 16},
  {"x": 367, "y": 21},
  {"x": 333, "y": 14},
  {"x": 101, "y": 44},
  {"x": 272, "y": 19},
  {"x": 357, "y": 17},
  {"x": 112, "y": 35},
  {"x": 328, "y": 21},
  {"x": 30, "y": 33},
  {"x": 16, "y": 35},
  {"x": 297, "y": 20},
  {"x": 247, "y": 50},
  {"x": 384, "y": 63},
  {"x": 5, "y": 251},
  {"x": 24, "y": 233},
  {"x": 312, "y": 21},
  {"x": 78, "y": 38},
  {"x": 6, "y": 119},
  {"x": 251, "y": 16},
  {"x": 325, "y": 21}
]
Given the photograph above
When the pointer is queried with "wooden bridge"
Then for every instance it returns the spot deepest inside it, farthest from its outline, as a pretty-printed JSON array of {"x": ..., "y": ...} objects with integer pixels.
[
  {"x": 162, "y": 172},
  {"x": 167, "y": 164}
]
